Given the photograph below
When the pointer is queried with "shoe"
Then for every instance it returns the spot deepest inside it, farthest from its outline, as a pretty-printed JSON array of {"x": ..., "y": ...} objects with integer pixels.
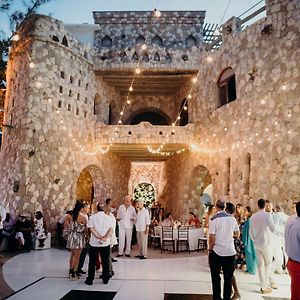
[
  {"x": 113, "y": 260},
  {"x": 143, "y": 257},
  {"x": 127, "y": 255},
  {"x": 88, "y": 282},
  {"x": 70, "y": 273},
  {"x": 74, "y": 276},
  {"x": 235, "y": 296},
  {"x": 119, "y": 255},
  {"x": 266, "y": 291},
  {"x": 105, "y": 281},
  {"x": 112, "y": 273},
  {"x": 138, "y": 256},
  {"x": 273, "y": 286},
  {"x": 80, "y": 271}
]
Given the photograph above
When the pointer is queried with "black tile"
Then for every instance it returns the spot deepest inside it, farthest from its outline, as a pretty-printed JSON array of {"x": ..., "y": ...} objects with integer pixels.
[
  {"x": 88, "y": 295},
  {"x": 187, "y": 297}
]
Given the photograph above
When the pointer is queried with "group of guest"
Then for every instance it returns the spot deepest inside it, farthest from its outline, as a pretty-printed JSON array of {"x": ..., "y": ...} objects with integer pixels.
[
  {"x": 19, "y": 234},
  {"x": 256, "y": 240}
]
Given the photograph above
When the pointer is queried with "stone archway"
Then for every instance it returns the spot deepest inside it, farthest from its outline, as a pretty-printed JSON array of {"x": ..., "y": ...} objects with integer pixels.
[
  {"x": 91, "y": 185},
  {"x": 199, "y": 181}
]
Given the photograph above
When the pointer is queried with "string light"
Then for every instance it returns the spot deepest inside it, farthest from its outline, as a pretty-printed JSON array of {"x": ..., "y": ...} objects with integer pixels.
[
  {"x": 128, "y": 101},
  {"x": 130, "y": 89},
  {"x": 15, "y": 38},
  {"x": 31, "y": 65},
  {"x": 144, "y": 47},
  {"x": 137, "y": 70},
  {"x": 157, "y": 13}
]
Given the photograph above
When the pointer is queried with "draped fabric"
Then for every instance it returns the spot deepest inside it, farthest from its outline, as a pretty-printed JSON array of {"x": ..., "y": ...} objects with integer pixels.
[{"x": 251, "y": 258}]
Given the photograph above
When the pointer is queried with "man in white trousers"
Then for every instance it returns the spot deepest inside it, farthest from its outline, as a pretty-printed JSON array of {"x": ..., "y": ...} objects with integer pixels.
[
  {"x": 126, "y": 217},
  {"x": 261, "y": 232},
  {"x": 142, "y": 229}
]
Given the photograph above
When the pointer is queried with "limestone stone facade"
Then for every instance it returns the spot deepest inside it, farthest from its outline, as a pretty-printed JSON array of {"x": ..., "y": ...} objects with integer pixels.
[{"x": 57, "y": 111}]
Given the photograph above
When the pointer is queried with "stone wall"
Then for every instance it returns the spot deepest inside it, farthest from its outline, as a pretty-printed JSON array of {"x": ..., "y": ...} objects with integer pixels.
[
  {"x": 250, "y": 146},
  {"x": 55, "y": 106}
]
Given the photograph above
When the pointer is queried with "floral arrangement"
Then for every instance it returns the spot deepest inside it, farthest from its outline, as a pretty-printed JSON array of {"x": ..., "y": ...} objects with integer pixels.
[{"x": 144, "y": 191}]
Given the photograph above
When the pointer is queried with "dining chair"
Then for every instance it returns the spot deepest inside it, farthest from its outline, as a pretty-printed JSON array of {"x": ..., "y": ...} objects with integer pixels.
[
  {"x": 167, "y": 238},
  {"x": 202, "y": 241},
  {"x": 183, "y": 238},
  {"x": 154, "y": 237}
]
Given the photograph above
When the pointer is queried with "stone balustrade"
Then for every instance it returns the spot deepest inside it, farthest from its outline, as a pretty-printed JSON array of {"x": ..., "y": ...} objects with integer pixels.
[{"x": 144, "y": 133}]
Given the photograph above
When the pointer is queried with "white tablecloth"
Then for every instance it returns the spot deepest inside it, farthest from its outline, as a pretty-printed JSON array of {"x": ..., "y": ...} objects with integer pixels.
[{"x": 194, "y": 235}]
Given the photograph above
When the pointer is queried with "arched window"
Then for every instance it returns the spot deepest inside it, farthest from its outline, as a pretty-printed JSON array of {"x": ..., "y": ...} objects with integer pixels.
[
  {"x": 190, "y": 41},
  {"x": 227, "y": 87},
  {"x": 140, "y": 40},
  {"x": 184, "y": 116},
  {"x": 109, "y": 115},
  {"x": 157, "y": 40},
  {"x": 106, "y": 42},
  {"x": 65, "y": 41},
  {"x": 55, "y": 38}
]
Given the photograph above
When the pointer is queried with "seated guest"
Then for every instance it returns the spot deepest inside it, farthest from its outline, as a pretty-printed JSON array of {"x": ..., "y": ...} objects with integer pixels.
[
  {"x": 168, "y": 221},
  {"x": 8, "y": 231},
  {"x": 40, "y": 231},
  {"x": 23, "y": 229},
  {"x": 193, "y": 220}
]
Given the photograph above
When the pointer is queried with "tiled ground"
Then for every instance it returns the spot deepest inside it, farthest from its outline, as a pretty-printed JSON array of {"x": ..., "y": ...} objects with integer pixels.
[{"x": 134, "y": 279}]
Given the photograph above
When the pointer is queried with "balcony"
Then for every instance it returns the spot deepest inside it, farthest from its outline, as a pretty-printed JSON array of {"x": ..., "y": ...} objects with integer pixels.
[{"x": 132, "y": 141}]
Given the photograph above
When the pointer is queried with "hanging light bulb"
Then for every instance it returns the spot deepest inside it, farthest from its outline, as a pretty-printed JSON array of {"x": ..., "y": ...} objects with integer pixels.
[
  {"x": 284, "y": 87},
  {"x": 121, "y": 113},
  {"x": 185, "y": 107},
  {"x": 209, "y": 59},
  {"x": 128, "y": 101},
  {"x": 15, "y": 38},
  {"x": 137, "y": 70},
  {"x": 178, "y": 118},
  {"x": 144, "y": 47},
  {"x": 173, "y": 125},
  {"x": 194, "y": 79},
  {"x": 130, "y": 89},
  {"x": 31, "y": 65},
  {"x": 38, "y": 84},
  {"x": 157, "y": 13},
  {"x": 120, "y": 122},
  {"x": 189, "y": 96}
]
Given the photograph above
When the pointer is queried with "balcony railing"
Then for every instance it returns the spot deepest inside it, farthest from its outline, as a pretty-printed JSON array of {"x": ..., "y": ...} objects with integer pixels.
[{"x": 144, "y": 133}]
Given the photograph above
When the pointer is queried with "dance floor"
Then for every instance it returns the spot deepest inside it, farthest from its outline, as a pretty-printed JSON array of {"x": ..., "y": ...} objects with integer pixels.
[{"x": 43, "y": 275}]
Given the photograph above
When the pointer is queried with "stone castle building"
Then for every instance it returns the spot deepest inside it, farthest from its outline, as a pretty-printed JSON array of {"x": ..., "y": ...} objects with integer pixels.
[{"x": 73, "y": 129}]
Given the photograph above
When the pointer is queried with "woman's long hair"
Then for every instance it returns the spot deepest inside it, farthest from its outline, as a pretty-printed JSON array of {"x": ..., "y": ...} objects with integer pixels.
[{"x": 78, "y": 206}]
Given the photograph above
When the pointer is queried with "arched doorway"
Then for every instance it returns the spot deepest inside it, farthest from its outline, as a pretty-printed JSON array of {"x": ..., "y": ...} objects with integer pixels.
[
  {"x": 91, "y": 185},
  {"x": 152, "y": 117},
  {"x": 144, "y": 191},
  {"x": 200, "y": 189}
]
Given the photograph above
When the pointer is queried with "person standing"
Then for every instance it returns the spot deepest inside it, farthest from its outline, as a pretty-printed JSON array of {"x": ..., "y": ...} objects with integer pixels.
[
  {"x": 76, "y": 238},
  {"x": 222, "y": 229},
  {"x": 126, "y": 216},
  {"x": 261, "y": 232},
  {"x": 85, "y": 213},
  {"x": 101, "y": 227},
  {"x": 142, "y": 229},
  {"x": 292, "y": 247},
  {"x": 280, "y": 257}
]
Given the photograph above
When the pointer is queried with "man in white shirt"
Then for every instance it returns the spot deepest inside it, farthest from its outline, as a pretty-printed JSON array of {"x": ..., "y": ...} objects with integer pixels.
[
  {"x": 222, "y": 229},
  {"x": 101, "y": 227},
  {"x": 261, "y": 232},
  {"x": 126, "y": 216},
  {"x": 280, "y": 256},
  {"x": 142, "y": 229}
]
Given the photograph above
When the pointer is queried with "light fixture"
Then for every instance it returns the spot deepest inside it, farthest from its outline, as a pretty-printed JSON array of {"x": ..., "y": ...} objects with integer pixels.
[
  {"x": 130, "y": 89},
  {"x": 194, "y": 79},
  {"x": 209, "y": 59},
  {"x": 15, "y": 37},
  {"x": 185, "y": 107},
  {"x": 120, "y": 122},
  {"x": 263, "y": 101},
  {"x": 249, "y": 113},
  {"x": 144, "y": 47},
  {"x": 284, "y": 87},
  {"x": 157, "y": 13},
  {"x": 137, "y": 70},
  {"x": 173, "y": 125},
  {"x": 189, "y": 96},
  {"x": 31, "y": 65},
  {"x": 121, "y": 113},
  {"x": 38, "y": 84},
  {"x": 178, "y": 118},
  {"x": 128, "y": 101},
  {"x": 225, "y": 129}
]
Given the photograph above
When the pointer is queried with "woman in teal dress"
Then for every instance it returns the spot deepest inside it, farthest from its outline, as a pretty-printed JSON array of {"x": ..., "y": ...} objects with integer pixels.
[{"x": 251, "y": 258}]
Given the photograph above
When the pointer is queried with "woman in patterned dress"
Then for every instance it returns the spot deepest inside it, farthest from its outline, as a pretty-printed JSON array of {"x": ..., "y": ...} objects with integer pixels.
[
  {"x": 76, "y": 238},
  {"x": 40, "y": 231}
]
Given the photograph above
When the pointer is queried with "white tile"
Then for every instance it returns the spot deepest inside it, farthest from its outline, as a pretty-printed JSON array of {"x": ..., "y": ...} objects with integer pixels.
[{"x": 139, "y": 294}]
